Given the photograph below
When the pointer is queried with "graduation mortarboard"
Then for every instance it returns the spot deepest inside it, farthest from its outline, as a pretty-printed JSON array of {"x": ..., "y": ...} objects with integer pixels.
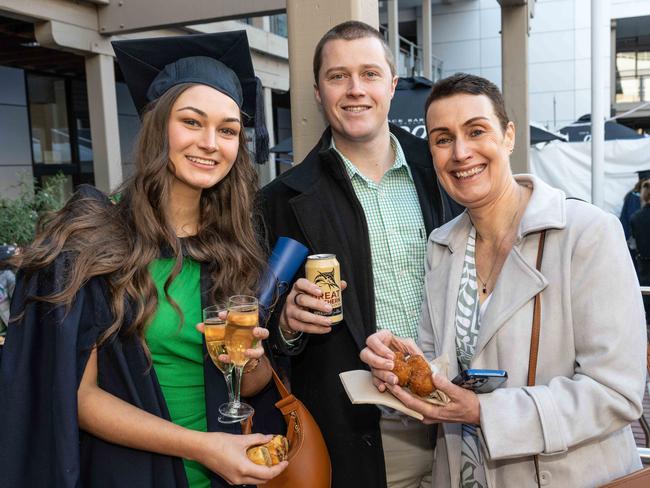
[
  {"x": 220, "y": 60},
  {"x": 644, "y": 175}
]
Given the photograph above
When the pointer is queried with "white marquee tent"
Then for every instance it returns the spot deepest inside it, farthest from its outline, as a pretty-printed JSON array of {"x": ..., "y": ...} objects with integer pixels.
[{"x": 567, "y": 165}]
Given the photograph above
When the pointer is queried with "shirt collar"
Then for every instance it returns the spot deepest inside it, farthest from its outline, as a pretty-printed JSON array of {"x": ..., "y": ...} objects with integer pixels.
[{"x": 400, "y": 159}]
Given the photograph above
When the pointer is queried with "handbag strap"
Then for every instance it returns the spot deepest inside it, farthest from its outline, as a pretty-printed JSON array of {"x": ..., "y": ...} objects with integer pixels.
[
  {"x": 534, "y": 336},
  {"x": 284, "y": 393},
  {"x": 247, "y": 424},
  {"x": 537, "y": 316}
]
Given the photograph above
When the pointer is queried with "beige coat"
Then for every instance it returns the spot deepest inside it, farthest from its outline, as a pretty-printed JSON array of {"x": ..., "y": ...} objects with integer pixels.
[{"x": 591, "y": 369}]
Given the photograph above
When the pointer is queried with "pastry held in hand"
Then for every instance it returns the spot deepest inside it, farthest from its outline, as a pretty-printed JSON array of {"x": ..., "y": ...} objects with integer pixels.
[
  {"x": 421, "y": 381},
  {"x": 273, "y": 452},
  {"x": 413, "y": 372},
  {"x": 361, "y": 390},
  {"x": 401, "y": 369}
]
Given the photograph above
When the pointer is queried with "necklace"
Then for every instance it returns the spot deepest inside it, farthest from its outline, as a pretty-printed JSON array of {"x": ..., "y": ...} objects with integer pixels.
[{"x": 512, "y": 221}]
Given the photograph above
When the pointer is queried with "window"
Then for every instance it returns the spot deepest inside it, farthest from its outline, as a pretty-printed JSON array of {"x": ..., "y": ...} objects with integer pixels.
[
  {"x": 279, "y": 25},
  {"x": 60, "y": 131},
  {"x": 633, "y": 60},
  {"x": 48, "y": 114}
]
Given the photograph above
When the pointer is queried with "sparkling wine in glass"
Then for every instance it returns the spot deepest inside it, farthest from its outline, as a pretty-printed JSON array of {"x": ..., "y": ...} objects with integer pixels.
[
  {"x": 215, "y": 341},
  {"x": 243, "y": 317}
]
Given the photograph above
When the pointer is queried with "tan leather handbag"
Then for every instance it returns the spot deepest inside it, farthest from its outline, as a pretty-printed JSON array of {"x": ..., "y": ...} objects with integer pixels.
[
  {"x": 638, "y": 479},
  {"x": 309, "y": 461}
]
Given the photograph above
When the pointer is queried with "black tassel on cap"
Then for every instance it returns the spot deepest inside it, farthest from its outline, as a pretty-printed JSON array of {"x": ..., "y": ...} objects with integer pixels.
[{"x": 261, "y": 132}]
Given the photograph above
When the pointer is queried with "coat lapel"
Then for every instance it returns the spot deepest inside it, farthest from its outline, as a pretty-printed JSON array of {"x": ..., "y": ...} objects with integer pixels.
[
  {"x": 520, "y": 283},
  {"x": 443, "y": 283}
]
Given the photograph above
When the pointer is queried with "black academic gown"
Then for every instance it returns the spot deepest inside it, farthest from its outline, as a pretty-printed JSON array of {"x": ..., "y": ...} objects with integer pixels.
[{"x": 42, "y": 364}]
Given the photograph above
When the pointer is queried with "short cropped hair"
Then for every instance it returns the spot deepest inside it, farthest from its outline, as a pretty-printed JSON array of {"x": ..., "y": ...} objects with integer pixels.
[
  {"x": 471, "y": 85},
  {"x": 350, "y": 31}
]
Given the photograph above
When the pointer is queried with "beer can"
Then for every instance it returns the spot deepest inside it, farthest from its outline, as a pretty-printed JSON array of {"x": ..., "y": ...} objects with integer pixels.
[{"x": 324, "y": 271}]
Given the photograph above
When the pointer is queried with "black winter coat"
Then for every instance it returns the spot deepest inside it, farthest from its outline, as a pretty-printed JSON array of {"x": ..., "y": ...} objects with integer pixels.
[{"x": 315, "y": 204}]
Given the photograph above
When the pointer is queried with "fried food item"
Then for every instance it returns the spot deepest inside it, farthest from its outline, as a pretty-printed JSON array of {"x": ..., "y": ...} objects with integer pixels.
[
  {"x": 260, "y": 455},
  {"x": 278, "y": 449},
  {"x": 273, "y": 452},
  {"x": 420, "y": 381},
  {"x": 418, "y": 363},
  {"x": 401, "y": 369}
]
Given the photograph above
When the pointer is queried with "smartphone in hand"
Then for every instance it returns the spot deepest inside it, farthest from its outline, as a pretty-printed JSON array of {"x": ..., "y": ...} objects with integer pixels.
[{"x": 481, "y": 380}]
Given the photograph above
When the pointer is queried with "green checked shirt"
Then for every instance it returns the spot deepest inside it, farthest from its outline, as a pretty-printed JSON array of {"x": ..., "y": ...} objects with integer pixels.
[{"x": 397, "y": 242}]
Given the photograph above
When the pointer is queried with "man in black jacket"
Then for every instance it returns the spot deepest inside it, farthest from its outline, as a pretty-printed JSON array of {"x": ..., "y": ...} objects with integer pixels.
[{"x": 367, "y": 192}]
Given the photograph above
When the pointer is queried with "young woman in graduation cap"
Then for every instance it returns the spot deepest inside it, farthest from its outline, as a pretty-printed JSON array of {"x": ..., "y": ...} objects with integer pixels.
[{"x": 104, "y": 379}]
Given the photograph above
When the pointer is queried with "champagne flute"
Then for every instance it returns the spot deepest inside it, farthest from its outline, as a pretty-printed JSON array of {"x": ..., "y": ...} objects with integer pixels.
[
  {"x": 243, "y": 317},
  {"x": 215, "y": 342}
]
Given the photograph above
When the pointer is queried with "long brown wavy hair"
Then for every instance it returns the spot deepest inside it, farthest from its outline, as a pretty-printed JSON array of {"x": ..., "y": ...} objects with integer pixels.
[{"x": 118, "y": 241}]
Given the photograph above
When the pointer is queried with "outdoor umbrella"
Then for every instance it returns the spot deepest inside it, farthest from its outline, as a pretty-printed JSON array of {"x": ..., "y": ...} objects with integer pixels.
[
  {"x": 407, "y": 110},
  {"x": 541, "y": 134},
  {"x": 407, "y": 106},
  {"x": 580, "y": 130}
]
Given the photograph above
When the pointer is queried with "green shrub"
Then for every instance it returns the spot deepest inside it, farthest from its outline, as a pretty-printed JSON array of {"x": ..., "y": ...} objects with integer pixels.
[{"x": 18, "y": 216}]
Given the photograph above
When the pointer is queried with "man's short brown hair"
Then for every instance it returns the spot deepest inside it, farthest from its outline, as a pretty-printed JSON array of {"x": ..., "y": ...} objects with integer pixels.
[{"x": 350, "y": 31}]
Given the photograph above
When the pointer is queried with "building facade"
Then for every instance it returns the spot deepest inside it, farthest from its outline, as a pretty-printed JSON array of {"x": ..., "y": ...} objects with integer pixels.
[
  {"x": 467, "y": 37},
  {"x": 64, "y": 107}
]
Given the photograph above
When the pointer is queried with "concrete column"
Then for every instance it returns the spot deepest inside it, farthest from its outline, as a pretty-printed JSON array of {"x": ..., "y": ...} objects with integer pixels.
[
  {"x": 612, "y": 63},
  {"x": 427, "y": 69},
  {"x": 597, "y": 105},
  {"x": 102, "y": 105},
  {"x": 267, "y": 171},
  {"x": 307, "y": 21},
  {"x": 514, "y": 62},
  {"x": 393, "y": 29}
]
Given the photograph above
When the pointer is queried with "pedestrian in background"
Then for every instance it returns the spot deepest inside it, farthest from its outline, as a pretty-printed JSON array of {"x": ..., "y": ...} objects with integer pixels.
[{"x": 640, "y": 231}]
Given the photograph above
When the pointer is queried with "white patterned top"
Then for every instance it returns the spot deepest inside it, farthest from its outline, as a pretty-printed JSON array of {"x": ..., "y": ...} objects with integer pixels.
[{"x": 472, "y": 473}]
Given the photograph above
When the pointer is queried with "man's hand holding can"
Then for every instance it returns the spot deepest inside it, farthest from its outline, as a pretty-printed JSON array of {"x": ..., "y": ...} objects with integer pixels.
[{"x": 298, "y": 315}]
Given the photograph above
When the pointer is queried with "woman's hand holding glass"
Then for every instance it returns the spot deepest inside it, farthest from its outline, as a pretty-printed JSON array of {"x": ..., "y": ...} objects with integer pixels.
[
  {"x": 463, "y": 407},
  {"x": 214, "y": 329},
  {"x": 255, "y": 353}
]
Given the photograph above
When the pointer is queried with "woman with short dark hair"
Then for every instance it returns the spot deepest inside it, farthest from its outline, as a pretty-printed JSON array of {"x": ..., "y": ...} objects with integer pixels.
[{"x": 568, "y": 425}]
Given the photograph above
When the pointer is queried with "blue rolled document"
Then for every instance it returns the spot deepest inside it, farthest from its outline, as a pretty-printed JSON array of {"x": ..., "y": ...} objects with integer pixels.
[{"x": 286, "y": 259}]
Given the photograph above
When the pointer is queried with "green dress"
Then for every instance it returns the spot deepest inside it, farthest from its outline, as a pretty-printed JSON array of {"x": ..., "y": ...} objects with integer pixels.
[{"x": 177, "y": 352}]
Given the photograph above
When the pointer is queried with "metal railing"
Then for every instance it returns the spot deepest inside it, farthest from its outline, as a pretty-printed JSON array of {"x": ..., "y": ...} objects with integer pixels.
[
  {"x": 410, "y": 58},
  {"x": 644, "y": 453}
]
